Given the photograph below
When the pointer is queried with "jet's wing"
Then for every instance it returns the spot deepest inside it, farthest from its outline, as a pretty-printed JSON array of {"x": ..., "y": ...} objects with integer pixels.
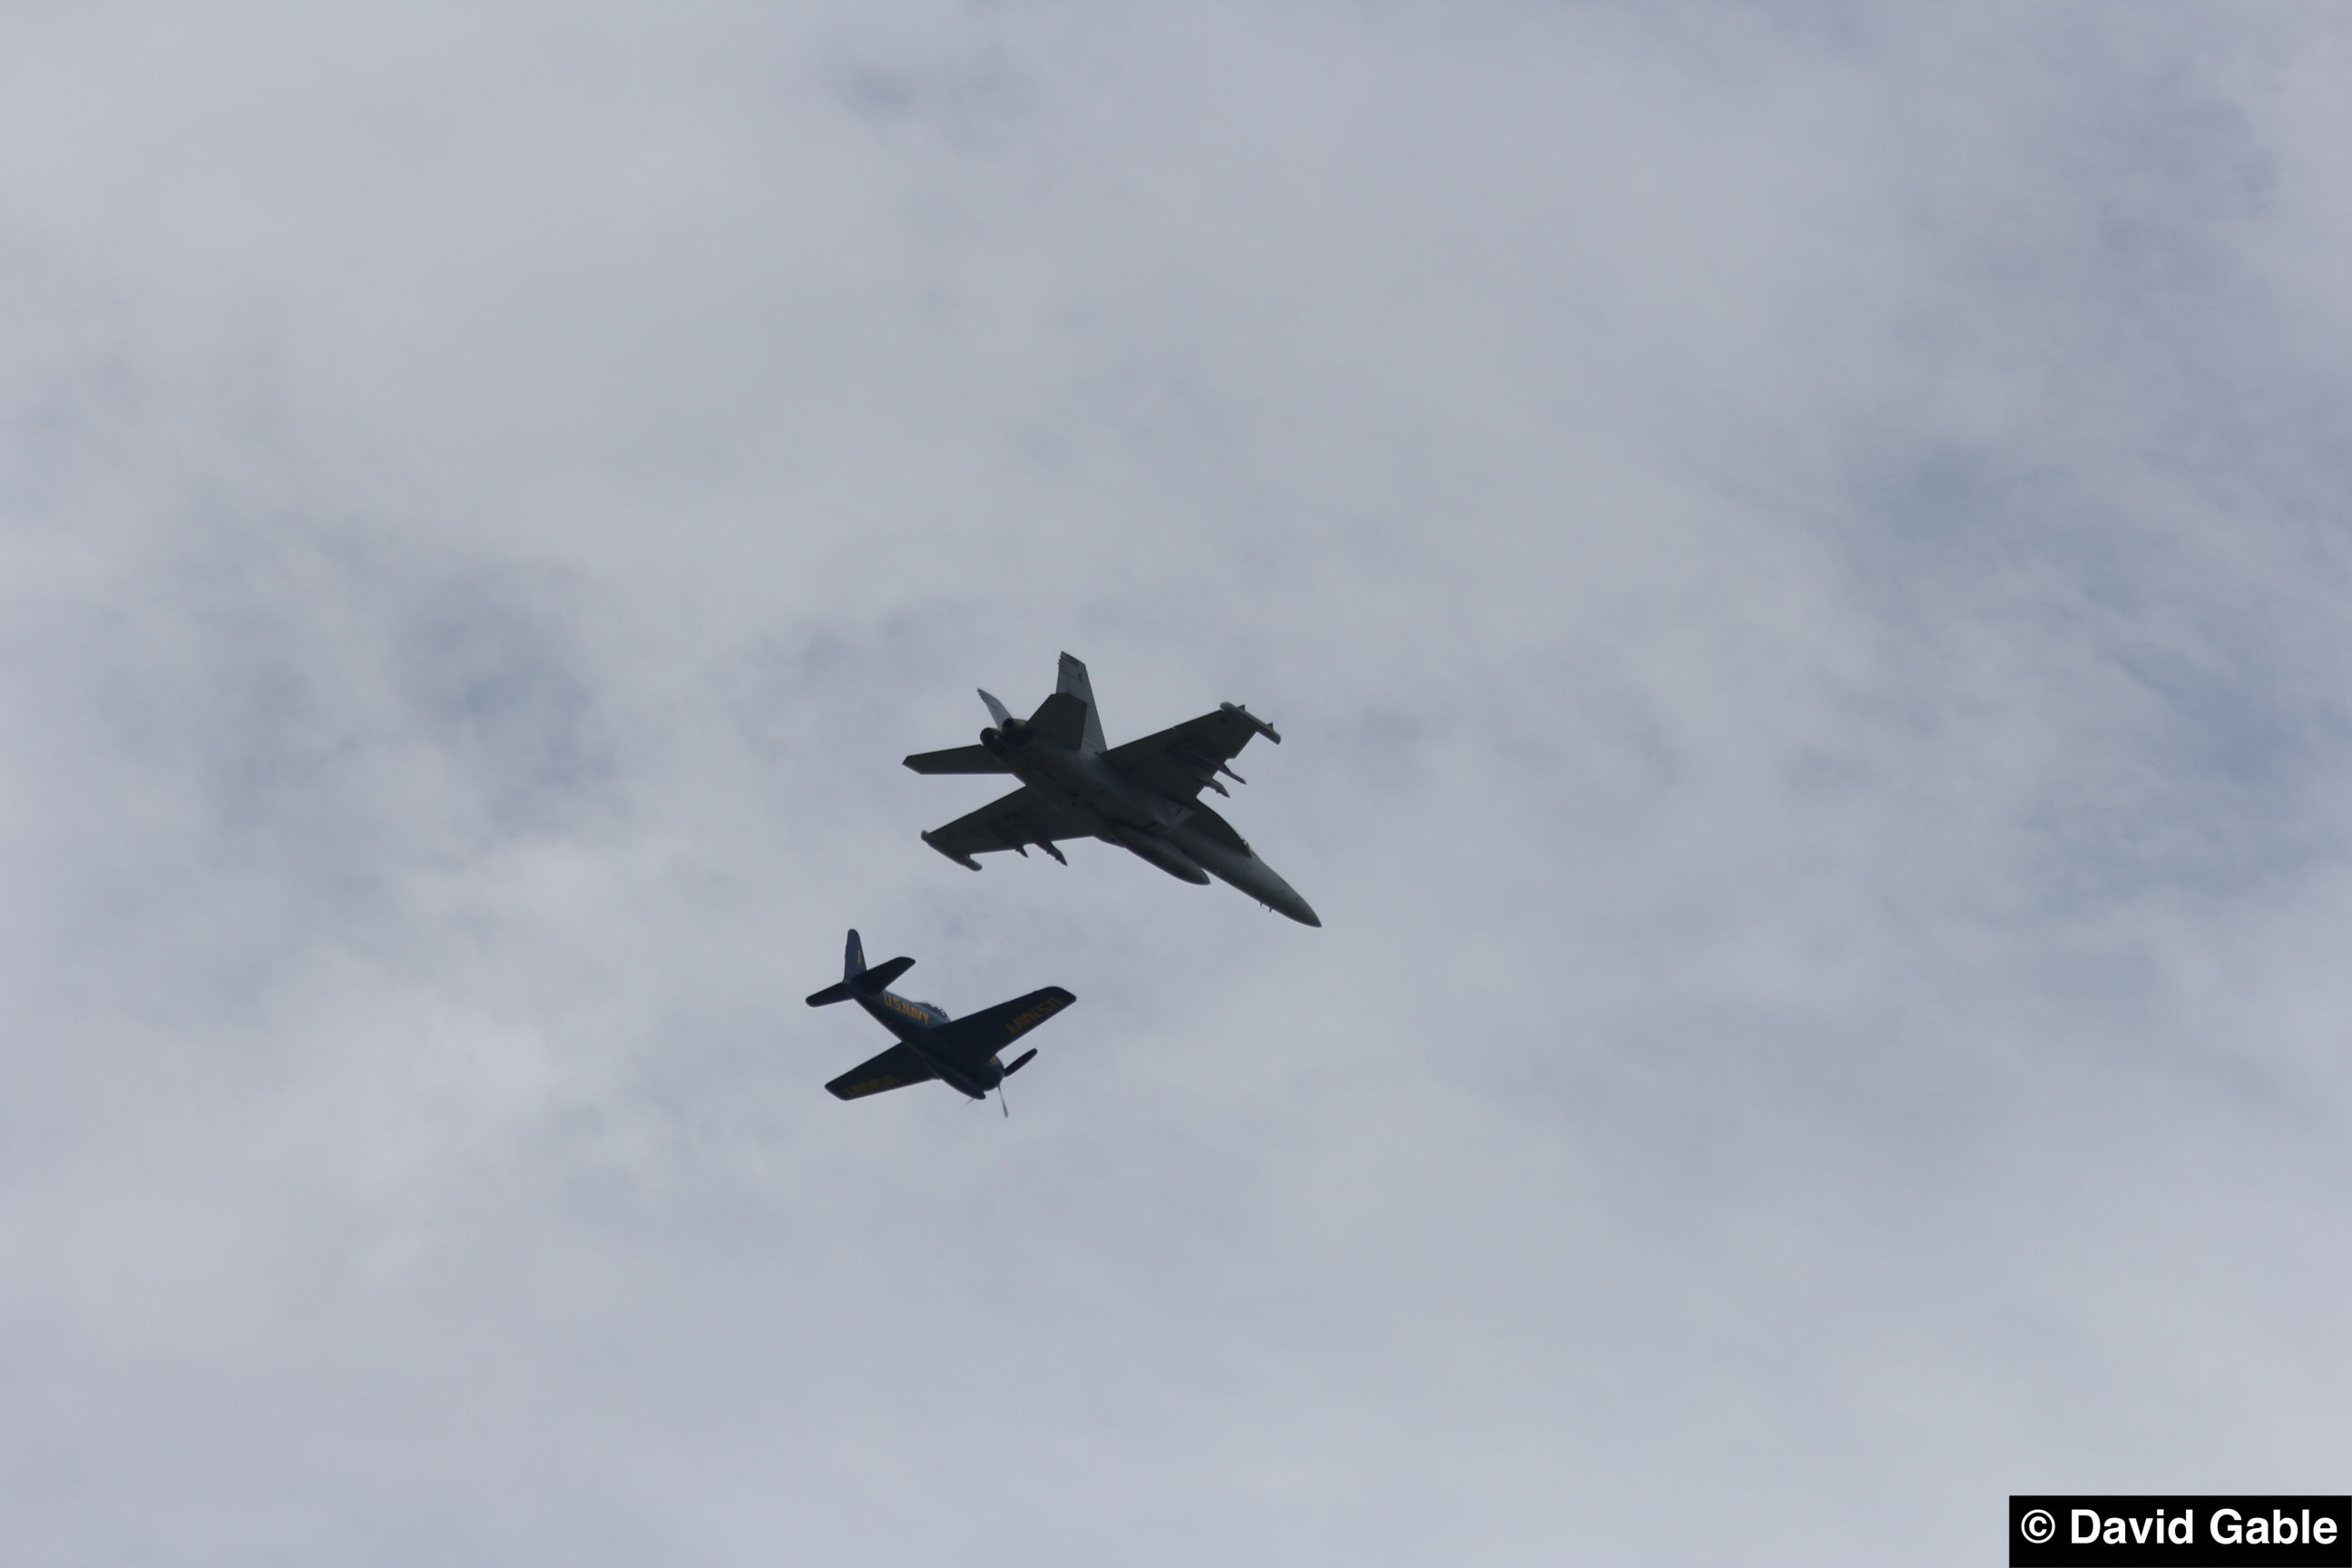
[
  {"x": 979, "y": 1036},
  {"x": 894, "y": 1068},
  {"x": 1024, "y": 817},
  {"x": 1178, "y": 763}
]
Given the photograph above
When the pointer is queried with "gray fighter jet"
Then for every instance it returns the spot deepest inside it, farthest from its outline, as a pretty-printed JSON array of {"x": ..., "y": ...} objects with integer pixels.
[
  {"x": 961, "y": 1053},
  {"x": 1144, "y": 796}
]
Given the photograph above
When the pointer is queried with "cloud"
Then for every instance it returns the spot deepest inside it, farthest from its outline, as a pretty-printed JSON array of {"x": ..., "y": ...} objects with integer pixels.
[{"x": 1797, "y": 560}]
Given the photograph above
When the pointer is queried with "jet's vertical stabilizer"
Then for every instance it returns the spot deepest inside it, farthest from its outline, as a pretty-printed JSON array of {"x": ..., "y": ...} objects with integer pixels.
[{"x": 1074, "y": 681}]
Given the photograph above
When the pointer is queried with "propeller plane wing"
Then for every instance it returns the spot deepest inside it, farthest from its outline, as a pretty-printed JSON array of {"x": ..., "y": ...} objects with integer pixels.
[{"x": 962, "y": 1053}]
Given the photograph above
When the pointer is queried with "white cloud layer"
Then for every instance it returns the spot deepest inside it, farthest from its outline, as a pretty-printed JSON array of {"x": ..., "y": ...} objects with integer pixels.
[{"x": 1800, "y": 558}]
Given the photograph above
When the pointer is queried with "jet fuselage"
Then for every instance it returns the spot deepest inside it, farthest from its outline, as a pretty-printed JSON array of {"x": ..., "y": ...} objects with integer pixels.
[{"x": 1143, "y": 822}]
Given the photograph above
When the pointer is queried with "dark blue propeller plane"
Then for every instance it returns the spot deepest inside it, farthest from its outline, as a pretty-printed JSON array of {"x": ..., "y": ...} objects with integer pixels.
[{"x": 961, "y": 1053}]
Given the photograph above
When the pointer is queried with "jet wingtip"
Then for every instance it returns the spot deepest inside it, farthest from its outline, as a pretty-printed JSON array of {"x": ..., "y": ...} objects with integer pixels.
[{"x": 966, "y": 861}]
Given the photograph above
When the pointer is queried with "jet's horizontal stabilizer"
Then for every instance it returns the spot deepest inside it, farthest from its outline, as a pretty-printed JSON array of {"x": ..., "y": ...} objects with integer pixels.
[
  {"x": 829, "y": 996},
  {"x": 876, "y": 980},
  {"x": 959, "y": 759}
]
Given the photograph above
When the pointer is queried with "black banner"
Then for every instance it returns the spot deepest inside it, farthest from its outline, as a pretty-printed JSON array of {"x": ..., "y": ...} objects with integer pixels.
[{"x": 2180, "y": 1530}]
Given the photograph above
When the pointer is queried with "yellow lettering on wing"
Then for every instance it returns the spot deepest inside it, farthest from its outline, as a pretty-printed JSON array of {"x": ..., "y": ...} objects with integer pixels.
[{"x": 1032, "y": 1018}]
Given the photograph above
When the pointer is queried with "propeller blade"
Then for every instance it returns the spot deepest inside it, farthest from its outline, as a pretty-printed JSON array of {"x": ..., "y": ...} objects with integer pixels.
[
  {"x": 1018, "y": 1063},
  {"x": 996, "y": 710}
]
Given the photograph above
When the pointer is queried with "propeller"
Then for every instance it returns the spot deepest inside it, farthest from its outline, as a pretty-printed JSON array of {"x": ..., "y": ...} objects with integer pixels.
[{"x": 1018, "y": 1063}]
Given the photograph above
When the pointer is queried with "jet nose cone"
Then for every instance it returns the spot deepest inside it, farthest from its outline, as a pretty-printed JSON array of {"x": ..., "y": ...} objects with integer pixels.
[{"x": 1297, "y": 910}]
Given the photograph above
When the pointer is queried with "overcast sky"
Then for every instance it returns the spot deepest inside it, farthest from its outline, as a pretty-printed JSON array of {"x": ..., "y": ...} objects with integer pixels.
[{"x": 1800, "y": 557}]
